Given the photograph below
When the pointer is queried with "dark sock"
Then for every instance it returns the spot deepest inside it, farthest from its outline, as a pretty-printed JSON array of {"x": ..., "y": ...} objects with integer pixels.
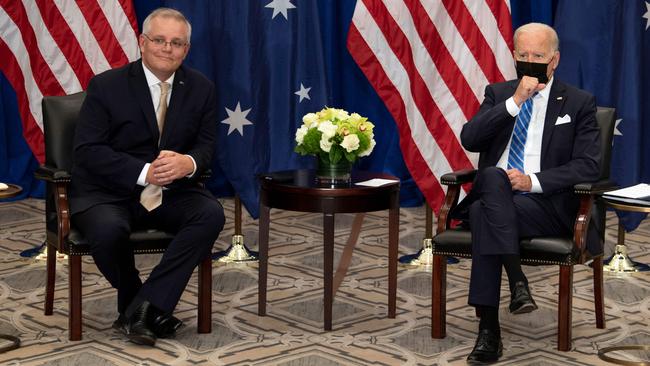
[
  {"x": 489, "y": 318},
  {"x": 512, "y": 264}
]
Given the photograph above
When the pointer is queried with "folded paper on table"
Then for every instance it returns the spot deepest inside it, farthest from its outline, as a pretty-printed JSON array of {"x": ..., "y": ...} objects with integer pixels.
[
  {"x": 637, "y": 194},
  {"x": 376, "y": 182}
]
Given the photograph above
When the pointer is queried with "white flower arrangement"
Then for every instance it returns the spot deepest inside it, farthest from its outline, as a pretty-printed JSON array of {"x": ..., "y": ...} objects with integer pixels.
[{"x": 333, "y": 134}]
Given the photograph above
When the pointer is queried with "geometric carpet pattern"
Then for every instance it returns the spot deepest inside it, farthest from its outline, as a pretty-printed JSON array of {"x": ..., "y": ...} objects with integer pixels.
[{"x": 291, "y": 334}]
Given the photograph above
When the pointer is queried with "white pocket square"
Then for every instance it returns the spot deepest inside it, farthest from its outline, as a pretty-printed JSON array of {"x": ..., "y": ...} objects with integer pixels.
[{"x": 563, "y": 120}]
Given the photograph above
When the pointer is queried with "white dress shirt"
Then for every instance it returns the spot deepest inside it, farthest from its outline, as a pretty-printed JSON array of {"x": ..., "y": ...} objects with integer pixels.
[
  {"x": 154, "y": 90},
  {"x": 533, "y": 147}
]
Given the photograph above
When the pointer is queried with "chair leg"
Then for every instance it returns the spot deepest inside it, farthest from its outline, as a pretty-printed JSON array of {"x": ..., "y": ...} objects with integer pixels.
[
  {"x": 50, "y": 278},
  {"x": 439, "y": 297},
  {"x": 74, "y": 300},
  {"x": 565, "y": 308},
  {"x": 599, "y": 300},
  {"x": 205, "y": 296}
]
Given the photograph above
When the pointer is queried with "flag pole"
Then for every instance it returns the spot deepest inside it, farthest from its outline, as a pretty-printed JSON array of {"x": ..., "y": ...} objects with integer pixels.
[{"x": 237, "y": 251}]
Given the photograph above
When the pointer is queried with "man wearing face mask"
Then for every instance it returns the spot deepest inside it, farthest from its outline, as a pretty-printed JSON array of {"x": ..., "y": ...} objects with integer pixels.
[{"x": 537, "y": 137}]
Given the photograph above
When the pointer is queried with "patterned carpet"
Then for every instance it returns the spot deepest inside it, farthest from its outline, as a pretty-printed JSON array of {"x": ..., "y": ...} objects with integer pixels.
[{"x": 291, "y": 334}]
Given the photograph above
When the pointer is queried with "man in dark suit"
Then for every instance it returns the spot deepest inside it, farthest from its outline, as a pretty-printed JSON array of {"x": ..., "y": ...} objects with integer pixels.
[
  {"x": 537, "y": 137},
  {"x": 146, "y": 132}
]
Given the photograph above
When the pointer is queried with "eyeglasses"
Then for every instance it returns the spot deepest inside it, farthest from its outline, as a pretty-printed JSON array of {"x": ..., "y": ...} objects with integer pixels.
[{"x": 160, "y": 42}]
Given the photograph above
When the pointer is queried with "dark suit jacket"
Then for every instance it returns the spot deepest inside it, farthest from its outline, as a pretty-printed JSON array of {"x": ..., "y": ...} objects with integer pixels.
[
  {"x": 117, "y": 133},
  {"x": 570, "y": 151}
]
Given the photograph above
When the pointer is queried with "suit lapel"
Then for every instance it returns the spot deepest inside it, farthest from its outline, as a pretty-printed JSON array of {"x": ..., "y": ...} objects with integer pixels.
[
  {"x": 179, "y": 92},
  {"x": 138, "y": 83},
  {"x": 556, "y": 99}
]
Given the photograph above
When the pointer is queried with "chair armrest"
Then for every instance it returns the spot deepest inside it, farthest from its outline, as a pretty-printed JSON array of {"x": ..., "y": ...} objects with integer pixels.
[
  {"x": 594, "y": 187},
  {"x": 51, "y": 174},
  {"x": 587, "y": 192},
  {"x": 205, "y": 176},
  {"x": 453, "y": 180},
  {"x": 56, "y": 205},
  {"x": 458, "y": 177}
]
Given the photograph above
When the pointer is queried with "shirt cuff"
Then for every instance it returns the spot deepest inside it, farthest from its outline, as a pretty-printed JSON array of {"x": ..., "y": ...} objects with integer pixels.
[
  {"x": 535, "y": 186},
  {"x": 142, "y": 178},
  {"x": 194, "y": 164},
  {"x": 512, "y": 107}
]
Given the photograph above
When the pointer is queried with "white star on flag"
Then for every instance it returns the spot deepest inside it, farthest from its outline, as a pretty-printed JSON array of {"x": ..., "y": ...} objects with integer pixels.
[
  {"x": 237, "y": 120},
  {"x": 647, "y": 14},
  {"x": 280, "y": 7},
  {"x": 303, "y": 93},
  {"x": 616, "y": 131}
]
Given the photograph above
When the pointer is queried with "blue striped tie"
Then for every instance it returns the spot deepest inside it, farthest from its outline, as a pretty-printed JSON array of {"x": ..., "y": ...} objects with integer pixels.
[{"x": 519, "y": 134}]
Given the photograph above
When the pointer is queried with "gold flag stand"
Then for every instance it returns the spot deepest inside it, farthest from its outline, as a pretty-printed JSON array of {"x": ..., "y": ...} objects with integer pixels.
[
  {"x": 237, "y": 251},
  {"x": 424, "y": 257}
]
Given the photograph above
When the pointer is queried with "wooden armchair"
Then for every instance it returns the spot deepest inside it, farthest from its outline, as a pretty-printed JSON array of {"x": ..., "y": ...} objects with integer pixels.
[{"x": 60, "y": 114}]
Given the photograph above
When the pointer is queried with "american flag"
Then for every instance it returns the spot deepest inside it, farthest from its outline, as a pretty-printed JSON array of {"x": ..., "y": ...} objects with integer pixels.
[
  {"x": 54, "y": 47},
  {"x": 429, "y": 61}
]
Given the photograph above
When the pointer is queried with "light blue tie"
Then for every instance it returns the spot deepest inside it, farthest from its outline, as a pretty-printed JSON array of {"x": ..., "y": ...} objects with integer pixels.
[{"x": 519, "y": 135}]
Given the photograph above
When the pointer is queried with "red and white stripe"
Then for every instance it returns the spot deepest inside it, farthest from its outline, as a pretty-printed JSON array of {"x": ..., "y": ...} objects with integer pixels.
[
  {"x": 429, "y": 61},
  {"x": 54, "y": 47}
]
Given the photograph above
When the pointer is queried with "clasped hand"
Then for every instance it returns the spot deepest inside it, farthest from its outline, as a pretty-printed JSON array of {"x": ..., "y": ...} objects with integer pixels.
[
  {"x": 519, "y": 181},
  {"x": 527, "y": 87},
  {"x": 169, "y": 166}
]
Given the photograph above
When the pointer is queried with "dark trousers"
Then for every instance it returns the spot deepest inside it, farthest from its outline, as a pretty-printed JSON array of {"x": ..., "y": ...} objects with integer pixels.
[
  {"x": 498, "y": 218},
  {"x": 193, "y": 217}
]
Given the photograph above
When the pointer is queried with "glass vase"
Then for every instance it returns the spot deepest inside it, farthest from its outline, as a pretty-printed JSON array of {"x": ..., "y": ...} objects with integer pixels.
[{"x": 329, "y": 173}]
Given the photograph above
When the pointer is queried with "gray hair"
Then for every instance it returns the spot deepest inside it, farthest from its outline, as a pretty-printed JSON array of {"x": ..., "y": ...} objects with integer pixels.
[
  {"x": 536, "y": 27},
  {"x": 166, "y": 13}
]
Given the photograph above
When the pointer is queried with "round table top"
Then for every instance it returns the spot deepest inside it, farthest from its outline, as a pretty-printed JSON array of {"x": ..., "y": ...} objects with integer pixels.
[
  {"x": 12, "y": 191},
  {"x": 300, "y": 190},
  {"x": 625, "y": 206},
  {"x": 305, "y": 180}
]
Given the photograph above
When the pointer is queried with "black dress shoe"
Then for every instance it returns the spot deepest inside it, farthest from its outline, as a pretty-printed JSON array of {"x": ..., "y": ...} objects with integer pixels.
[
  {"x": 139, "y": 330},
  {"x": 488, "y": 347},
  {"x": 165, "y": 326},
  {"x": 121, "y": 324},
  {"x": 521, "y": 301}
]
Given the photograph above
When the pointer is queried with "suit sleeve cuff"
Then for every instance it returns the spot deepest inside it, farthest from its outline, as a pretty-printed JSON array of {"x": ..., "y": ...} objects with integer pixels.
[
  {"x": 142, "y": 178},
  {"x": 536, "y": 187},
  {"x": 193, "y": 164},
  {"x": 512, "y": 107}
]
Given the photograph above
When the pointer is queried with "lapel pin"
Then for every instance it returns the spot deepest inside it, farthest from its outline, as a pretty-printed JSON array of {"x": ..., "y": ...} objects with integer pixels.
[
  {"x": 559, "y": 98},
  {"x": 181, "y": 82}
]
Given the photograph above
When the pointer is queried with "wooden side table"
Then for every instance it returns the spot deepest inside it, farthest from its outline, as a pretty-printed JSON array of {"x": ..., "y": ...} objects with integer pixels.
[
  {"x": 13, "y": 191},
  {"x": 10, "y": 192},
  {"x": 298, "y": 190},
  {"x": 620, "y": 261}
]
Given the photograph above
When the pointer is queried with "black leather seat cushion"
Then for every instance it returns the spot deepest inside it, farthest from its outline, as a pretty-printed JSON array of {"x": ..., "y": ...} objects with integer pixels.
[
  {"x": 546, "y": 250},
  {"x": 145, "y": 241}
]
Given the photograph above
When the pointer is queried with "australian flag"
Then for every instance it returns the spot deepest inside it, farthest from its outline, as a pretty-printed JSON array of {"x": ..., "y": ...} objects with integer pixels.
[{"x": 605, "y": 49}]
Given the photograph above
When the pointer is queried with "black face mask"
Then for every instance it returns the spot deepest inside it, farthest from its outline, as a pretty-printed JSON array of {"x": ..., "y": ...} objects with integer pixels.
[{"x": 532, "y": 69}]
